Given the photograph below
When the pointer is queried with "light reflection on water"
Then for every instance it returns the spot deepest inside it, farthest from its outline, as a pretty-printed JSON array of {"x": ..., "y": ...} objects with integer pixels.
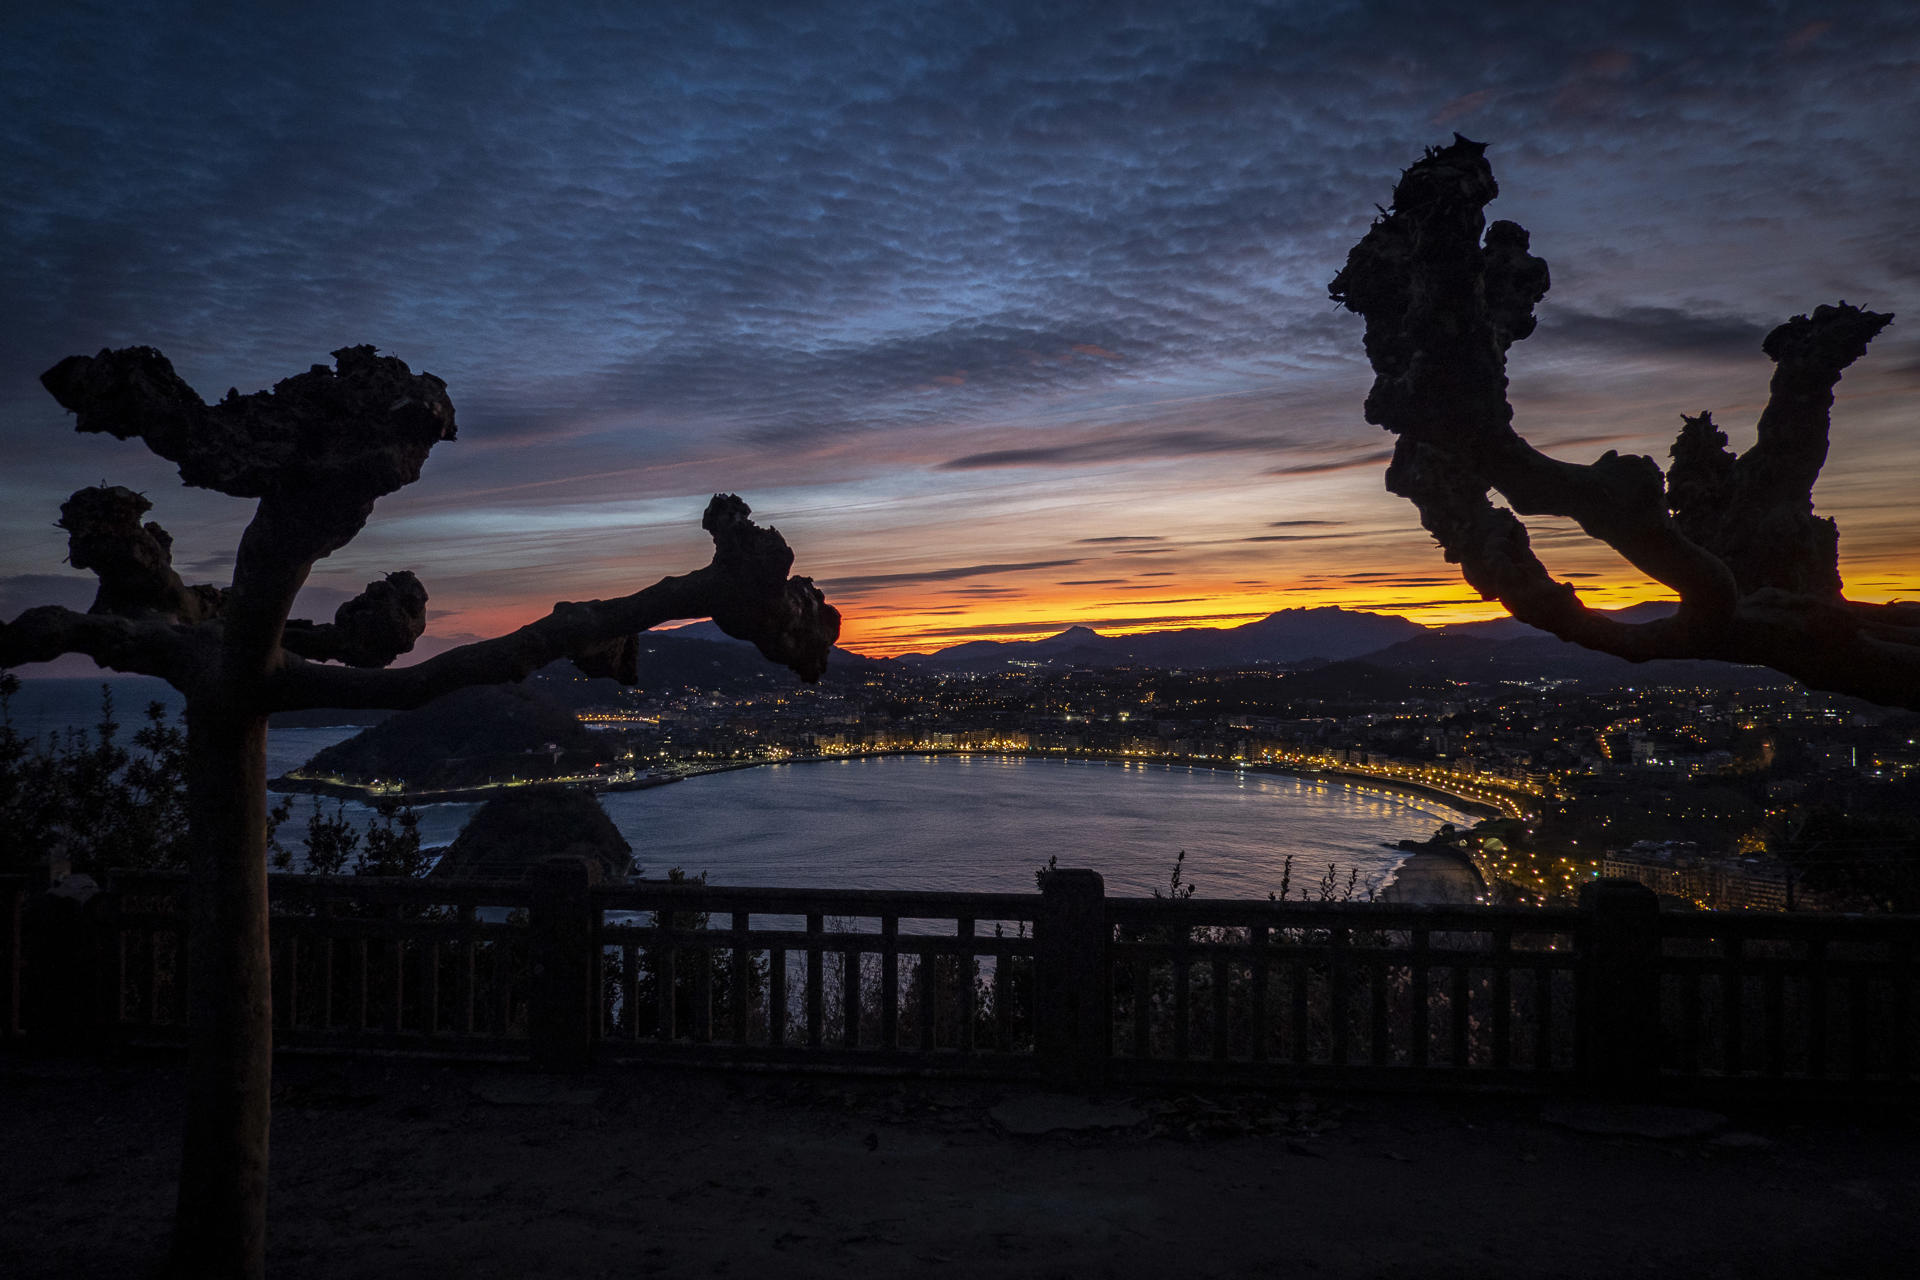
[
  {"x": 988, "y": 822},
  {"x": 974, "y": 822}
]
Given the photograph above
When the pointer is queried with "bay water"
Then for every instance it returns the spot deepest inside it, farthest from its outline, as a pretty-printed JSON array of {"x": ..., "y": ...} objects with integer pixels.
[{"x": 954, "y": 822}]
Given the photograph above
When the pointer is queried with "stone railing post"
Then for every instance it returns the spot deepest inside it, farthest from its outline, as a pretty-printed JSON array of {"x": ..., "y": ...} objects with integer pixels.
[
  {"x": 1072, "y": 1006},
  {"x": 562, "y": 1006},
  {"x": 1620, "y": 970}
]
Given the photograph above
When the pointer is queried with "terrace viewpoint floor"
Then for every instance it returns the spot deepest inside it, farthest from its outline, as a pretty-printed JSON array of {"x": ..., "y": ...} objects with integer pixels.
[{"x": 425, "y": 1170}]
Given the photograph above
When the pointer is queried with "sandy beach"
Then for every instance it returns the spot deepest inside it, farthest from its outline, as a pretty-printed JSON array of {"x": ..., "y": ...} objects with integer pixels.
[{"x": 1434, "y": 878}]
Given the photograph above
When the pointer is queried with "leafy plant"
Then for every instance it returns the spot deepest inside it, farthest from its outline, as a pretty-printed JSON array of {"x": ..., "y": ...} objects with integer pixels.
[{"x": 82, "y": 795}]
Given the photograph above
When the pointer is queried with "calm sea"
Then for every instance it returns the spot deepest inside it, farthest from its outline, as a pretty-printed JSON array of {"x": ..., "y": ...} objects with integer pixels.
[{"x": 947, "y": 822}]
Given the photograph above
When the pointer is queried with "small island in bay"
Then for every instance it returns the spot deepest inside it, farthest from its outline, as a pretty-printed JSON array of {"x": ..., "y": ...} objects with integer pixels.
[{"x": 517, "y": 828}]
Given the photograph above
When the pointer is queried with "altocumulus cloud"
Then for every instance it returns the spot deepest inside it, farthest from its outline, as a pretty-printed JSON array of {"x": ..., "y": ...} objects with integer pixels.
[
  {"x": 780, "y": 229},
  {"x": 869, "y": 582}
]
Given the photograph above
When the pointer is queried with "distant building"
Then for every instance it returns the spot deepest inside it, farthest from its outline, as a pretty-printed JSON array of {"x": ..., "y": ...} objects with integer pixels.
[{"x": 1681, "y": 871}]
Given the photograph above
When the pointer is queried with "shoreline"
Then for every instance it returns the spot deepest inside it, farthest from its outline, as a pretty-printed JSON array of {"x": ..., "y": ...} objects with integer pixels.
[
  {"x": 1422, "y": 875},
  {"x": 1343, "y": 777},
  {"x": 289, "y": 784},
  {"x": 293, "y": 784}
]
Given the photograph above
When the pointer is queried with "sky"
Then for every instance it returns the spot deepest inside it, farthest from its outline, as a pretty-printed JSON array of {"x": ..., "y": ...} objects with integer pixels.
[{"x": 1010, "y": 316}]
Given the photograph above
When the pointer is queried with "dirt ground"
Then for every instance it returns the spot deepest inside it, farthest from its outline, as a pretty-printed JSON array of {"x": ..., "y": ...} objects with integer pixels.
[{"x": 427, "y": 1170}]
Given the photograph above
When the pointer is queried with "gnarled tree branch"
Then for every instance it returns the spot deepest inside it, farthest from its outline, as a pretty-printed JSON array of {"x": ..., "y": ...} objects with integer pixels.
[
  {"x": 745, "y": 590},
  {"x": 350, "y": 433},
  {"x": 147, "y": 646},
  {"x": 134, "y": 562},
  {"x": 1445, "y": 296},
  {"x": 316, "y": 451},
  {"x": 370, "y": 630}
]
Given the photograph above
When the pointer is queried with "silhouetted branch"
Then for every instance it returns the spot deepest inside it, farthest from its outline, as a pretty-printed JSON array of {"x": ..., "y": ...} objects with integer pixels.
[
  {"x": 351, "y": 433},
  {"x": 745, "y": 590},
  {"x": 316, "y": 451},
  {"x": 149, "y": 646},
  {"x": 134, "y": 562},
  {"x": 370, "y": 630},
  {"x": 1735, "y": 538}
]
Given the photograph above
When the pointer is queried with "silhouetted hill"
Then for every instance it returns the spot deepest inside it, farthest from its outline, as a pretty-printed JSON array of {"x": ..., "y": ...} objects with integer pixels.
[
  {"x": 1358, "y": 681},
  {"x": 1332, "y": 686},
  {"x": 697, "y": 657},
  {"x": 1289, "y": 636},
  {"x": 701, "y": 656},
  {"x": 1513, "y": 629},
  {"x": 463, "y": 739},
  {"x": 516, "y": 831},
  {"x": 1536, "y": 656}
]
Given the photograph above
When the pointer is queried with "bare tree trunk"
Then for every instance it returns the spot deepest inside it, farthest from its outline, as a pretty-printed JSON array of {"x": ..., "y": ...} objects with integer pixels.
[
  {"x": 317, "y": 451},
  {"x": 220, "y": 1227}
]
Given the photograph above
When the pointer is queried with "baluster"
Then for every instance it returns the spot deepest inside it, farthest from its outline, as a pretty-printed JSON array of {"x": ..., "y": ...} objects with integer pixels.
[
  {"x": 1461, "y": 1005},
  {"x": 502, "y": 964},
  {"x": 889, "y": 982},
  {"x": 1142, "y": 1005},
  {"x": 702, "y": 957},
  {"x": 777, "y": 996},
  {"x": 1002, "y": 1016},
  {"x": 666, "y": 964},
  {"x": 1692, "y": 1028},
  {"x": 963, "y": 979},
  {"x": 627, "y": 1024},
  {"x": 181, "y": 941},
  {"x": 1257, "y": 1012},
  {"x": 1502, "y": 995},
  {"x": 396, "y": 1016},
  {"x": 363, "y": 1009},
  {"x": 1182, "y": 994},
  {"x": 742, "y": 966},
  {"x": 1857, "y": 1024},
  {"x": 929, "y": 974},
  {"x": 277, "y": 977},
  {"x": 816, "y": 1011},
  {"x": 432, "y": 957},
  {"x": 1297, "y": 1028},
  {"x": 1817, "y": 1031},
  {"x": 1422, "y": 997},
  {"x": 602, "y": 1016},
  {"x": 1337, "y": 979},
  {"x": 1900, "y": 1017},
  {"x": 123, "y": 944},
  {"x": 1221, "y": 1040},
  {"x": 1773, "y": 985},
  {"x": 1379, "y": 1043},
  {"x": 466, "y": 975},
  {"x": 850, "y": 998},
  {"x": 326, "y": 985},
  {"x": 1543, "y": 1019},
  {"x": 293, "y": 980},
  {"x": 153, "y": 977},
  {"x": 1733, "y": 1000}
]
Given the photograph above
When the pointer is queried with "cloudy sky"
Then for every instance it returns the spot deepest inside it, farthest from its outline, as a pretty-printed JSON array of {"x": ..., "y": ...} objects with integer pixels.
[{"x": 1011, "y": 316}]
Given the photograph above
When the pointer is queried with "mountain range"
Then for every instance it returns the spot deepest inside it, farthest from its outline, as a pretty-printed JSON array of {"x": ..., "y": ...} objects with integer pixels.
[
  {"x": 1493, "y": 650},
  {"x": 1289, "y": 636}
]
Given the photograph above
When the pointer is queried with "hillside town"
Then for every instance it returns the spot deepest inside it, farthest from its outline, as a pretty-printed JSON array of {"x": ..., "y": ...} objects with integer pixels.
[{"x": 1767, "y": 796}]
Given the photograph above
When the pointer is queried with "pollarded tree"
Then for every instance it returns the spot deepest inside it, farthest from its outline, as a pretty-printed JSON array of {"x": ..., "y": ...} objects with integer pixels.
[
  {"x": 316, "y": 452},
  {"x": 1735, "y": 537}
]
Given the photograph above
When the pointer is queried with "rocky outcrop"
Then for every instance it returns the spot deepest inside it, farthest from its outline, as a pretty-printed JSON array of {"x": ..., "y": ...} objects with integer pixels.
[{"x": 515, "y": 832}]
